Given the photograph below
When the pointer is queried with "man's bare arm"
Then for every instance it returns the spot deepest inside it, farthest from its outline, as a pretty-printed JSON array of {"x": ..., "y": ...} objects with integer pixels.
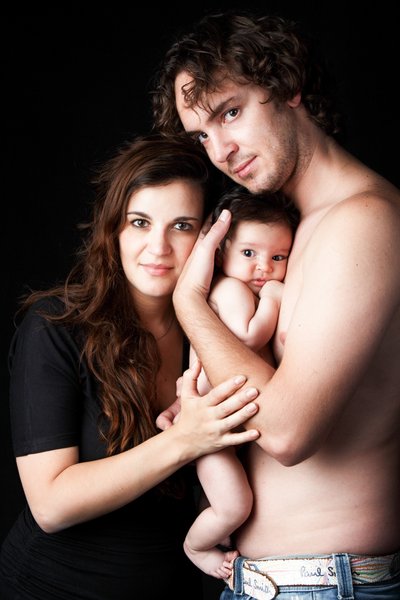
[{"x": 331, "y": 338}]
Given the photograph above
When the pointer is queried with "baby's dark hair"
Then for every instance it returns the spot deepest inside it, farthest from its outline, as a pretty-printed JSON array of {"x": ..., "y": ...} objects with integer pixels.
[{"x": 265, "y": 207}]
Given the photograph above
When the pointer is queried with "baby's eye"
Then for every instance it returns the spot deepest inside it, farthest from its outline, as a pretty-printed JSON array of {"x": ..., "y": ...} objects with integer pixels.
[
  {"x": 141, "y": 223},
  {"x": 279, "y": 257},
  {"x": 248, "y": 253},
  {"x": 183, "y": 226},
  {"x": 231, "y": 114}
]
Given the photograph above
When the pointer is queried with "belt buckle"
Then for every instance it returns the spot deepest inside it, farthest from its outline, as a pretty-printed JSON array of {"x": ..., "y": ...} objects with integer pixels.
[{"x": 258, "y": 585}]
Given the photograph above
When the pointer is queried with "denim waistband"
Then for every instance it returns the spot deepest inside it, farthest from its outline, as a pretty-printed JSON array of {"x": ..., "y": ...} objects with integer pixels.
[{"x": 262, "y": 578}]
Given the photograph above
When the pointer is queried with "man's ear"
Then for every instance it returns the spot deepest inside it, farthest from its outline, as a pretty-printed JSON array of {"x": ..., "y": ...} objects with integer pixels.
[{"x": 295, "y": 101}]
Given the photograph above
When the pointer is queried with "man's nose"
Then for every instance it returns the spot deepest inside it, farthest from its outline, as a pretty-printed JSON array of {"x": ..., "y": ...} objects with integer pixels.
[{"x": 223, "y": 148}]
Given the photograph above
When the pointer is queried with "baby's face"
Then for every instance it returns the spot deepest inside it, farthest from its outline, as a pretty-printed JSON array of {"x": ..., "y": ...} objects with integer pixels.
[{"x": 257, "y": 252}]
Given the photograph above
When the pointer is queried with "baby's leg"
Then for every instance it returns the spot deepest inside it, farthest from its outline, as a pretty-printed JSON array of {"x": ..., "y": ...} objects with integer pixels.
[{"x": 228, "y": 492}]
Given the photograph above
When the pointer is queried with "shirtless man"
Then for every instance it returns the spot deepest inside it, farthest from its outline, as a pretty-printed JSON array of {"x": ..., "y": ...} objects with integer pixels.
[{"x": 325, "y": 472}]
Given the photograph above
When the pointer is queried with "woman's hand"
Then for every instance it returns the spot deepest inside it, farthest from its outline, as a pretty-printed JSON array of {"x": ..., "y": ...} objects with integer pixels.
[{"x": 209, "y": 423}]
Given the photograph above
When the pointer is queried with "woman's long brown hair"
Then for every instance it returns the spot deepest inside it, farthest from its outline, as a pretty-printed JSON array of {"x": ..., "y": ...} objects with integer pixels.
[{"x": 122, "y": 355}]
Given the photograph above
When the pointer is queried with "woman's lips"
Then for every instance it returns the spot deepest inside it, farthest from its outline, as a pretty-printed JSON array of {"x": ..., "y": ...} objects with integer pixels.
[{"x": 157, "y": 270}]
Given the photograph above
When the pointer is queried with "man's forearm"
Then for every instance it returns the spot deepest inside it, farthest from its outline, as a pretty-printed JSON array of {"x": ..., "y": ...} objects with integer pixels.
[{"x": 220, "y": 352}]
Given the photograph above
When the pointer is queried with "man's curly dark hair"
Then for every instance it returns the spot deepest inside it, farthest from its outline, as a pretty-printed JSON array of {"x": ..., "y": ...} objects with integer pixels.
[{"x": 268, "y": 51}]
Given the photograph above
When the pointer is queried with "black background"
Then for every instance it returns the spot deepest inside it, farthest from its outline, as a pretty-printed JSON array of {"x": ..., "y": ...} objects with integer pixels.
[{"x": 75, "y": 84}]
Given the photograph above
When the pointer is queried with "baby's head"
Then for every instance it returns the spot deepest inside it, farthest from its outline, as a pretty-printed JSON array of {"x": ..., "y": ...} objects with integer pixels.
[
  {"x": 265, "y": 207},
  {"x": 259, "y": 239}
]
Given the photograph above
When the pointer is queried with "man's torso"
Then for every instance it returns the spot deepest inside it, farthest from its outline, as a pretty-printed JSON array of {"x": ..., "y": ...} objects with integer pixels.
[{"x": 343, "y": 498}]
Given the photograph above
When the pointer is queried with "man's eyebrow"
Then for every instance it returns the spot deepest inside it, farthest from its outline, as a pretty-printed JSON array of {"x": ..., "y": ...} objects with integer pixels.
[{"x": 214, "y": 112}]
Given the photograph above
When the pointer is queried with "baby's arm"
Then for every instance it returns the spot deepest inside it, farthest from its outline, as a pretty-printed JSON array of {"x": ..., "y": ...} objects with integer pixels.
[{"x": 252, "y": 320}]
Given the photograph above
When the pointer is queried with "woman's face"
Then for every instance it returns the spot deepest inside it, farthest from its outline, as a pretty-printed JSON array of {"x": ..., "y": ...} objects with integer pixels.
[{"x": 162, "y": 225}]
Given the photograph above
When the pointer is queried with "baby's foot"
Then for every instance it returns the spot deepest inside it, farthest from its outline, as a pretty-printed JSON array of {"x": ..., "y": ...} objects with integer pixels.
[{"x": 213, "y": 562}]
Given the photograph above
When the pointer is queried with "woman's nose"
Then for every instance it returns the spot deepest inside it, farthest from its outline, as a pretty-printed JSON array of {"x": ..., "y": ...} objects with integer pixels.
[{"x": 158, "y": 243}]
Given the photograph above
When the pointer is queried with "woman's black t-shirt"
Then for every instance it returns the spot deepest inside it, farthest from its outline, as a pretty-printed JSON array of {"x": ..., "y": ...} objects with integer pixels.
[{"x": 133, "y": 552}]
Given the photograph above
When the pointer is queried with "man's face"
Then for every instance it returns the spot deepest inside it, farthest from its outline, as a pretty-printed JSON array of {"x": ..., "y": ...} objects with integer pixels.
[{"x": 249, "y": 139}]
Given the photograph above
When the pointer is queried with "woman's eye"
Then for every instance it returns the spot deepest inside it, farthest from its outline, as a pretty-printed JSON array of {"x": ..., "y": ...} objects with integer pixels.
[
  {"x": 181, "y": 226},
  {"x": 202, "y": 137},
  {"x": 140, "y": 223},
  {"x": 248, "y": 253}
]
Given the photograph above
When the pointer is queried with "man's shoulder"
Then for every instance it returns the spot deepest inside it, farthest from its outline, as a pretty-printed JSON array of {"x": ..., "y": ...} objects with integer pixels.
[{"x": 372, "y": 212}]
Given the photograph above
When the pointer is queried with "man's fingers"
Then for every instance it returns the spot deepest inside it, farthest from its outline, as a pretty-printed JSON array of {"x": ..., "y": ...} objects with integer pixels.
[
  {"x": 199, "y": 268},
  {"x": 217, "y": 231}
]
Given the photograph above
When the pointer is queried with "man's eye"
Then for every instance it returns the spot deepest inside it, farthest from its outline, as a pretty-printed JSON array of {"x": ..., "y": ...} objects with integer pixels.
[
  {"x": 231, "y": 114},
  {"x": 140, "y": 223}
]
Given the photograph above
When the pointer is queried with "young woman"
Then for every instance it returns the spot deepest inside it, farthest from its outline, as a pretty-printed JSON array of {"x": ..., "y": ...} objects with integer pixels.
[{"x": 109, "y": 497}]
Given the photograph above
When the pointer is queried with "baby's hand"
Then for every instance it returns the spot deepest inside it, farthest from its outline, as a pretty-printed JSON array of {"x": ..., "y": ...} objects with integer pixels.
[{"x": 272, "y": 289}]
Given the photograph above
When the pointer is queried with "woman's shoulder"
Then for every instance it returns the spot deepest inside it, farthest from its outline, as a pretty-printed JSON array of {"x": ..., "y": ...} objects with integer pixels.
[
  {"x": 43, "y": 306},
  {"x": 40, "y": 310},
  {"x": 39, "y": 336},
  {"x": 36, "y": 321}
]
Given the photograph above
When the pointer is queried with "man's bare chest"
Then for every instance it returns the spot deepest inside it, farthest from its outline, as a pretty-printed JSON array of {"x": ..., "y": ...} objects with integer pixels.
[{"x": 291, "y": 292}]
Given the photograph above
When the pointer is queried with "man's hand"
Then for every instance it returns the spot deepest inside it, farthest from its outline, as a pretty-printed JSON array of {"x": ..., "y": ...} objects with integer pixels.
[{"x": 195, "y": 279}]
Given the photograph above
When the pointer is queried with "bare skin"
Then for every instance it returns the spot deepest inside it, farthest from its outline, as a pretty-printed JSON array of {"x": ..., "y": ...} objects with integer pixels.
[
  {"x": 325, "y": 470},
  {"x": 246, "y": 298}
]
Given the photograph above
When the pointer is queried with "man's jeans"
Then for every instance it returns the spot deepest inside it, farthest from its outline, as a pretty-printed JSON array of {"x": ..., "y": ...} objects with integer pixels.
[{"x": 344, "y": 590}]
